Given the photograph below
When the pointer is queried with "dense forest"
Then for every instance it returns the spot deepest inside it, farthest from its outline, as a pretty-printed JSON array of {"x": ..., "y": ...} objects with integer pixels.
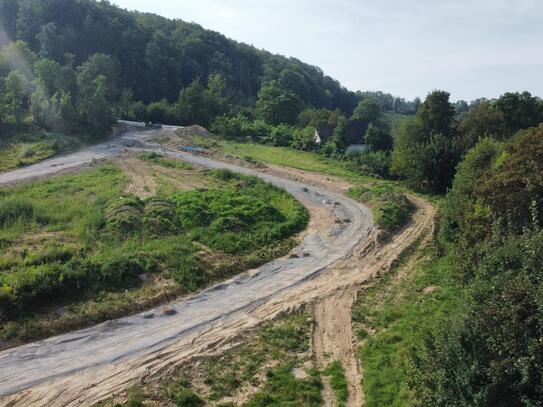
[
  {"x": 60, "y": 65},
  {"x": 73, "y": 66}
]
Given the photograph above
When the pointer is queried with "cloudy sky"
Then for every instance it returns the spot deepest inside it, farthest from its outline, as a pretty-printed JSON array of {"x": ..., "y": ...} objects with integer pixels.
[{"x": 471, "y": 48}]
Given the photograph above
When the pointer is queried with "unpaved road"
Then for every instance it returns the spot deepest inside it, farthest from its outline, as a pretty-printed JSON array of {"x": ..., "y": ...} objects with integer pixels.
[
  {"x": 86, "y": 366},
  {"x": 333, "y": 340}
]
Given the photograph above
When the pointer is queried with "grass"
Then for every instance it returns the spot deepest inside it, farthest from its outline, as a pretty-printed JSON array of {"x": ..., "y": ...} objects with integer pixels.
[
  {"x": 338, "y": 382},
  {"x": 287, "y": 157},
  {"x": 264, "y": 363},
  {"x": 95, "y": 247},
  {"x": 278, "y": 341},
  {"x": 28, "y": 147},
  {"x": 394, "y": 120},
  {"x": 390, "y": 315},
  {"x": 283, "y": 389},
  {"x": 164, "y": 161},
  {"x": 391, "y": 207}
]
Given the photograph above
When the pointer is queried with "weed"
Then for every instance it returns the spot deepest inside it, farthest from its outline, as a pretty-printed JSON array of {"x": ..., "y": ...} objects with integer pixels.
[{"x": 336, "y": 373}]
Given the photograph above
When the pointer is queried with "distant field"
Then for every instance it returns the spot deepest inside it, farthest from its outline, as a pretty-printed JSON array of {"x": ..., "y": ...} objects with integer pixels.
[
  {"x": 302, "y": 160},
  {"x": 394, "y": 120}
]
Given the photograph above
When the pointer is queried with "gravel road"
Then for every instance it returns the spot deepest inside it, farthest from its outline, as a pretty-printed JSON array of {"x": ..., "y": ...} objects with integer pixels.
[{"x": 51, "y": 363}]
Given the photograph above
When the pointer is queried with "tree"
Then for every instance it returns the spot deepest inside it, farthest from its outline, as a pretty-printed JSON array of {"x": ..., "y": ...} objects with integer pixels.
[
  {"x": 94, "y": 106},
  {"x": 514, "y": 193},
  {"x": 377, "y": 139},
  {"x": 339, "y": 142},
  {"x": 367, "y": 110},
  {"x": 482, "y": 120},
  {"x": 16, "y": 95},
  {"x": 200, "y": 105},
  {"x": 436, "y": 114},
  {"x": 50, "y": 76},
  {"x": 97, "y": 86},
  {"x": 16, "y": 56},
  {"x": 426, "y": 150},
  {"x": 95, "y": 66},
  {"x": 318, "y": 118},
  {"x": 277, "y": 105},
  {"x": 520, "y": 110},
  {"x": 456, "y": 210}
]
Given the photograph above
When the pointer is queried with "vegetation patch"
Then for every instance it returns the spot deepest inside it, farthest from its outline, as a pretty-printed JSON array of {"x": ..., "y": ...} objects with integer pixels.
[
  {"x": 390, "y": 315},
  {"x": 338, "y": 382},
  {"x": 391, "y": 207},
  {"x": 257, "y": 373},
  {"x": 164, "y": 161},
  {"x": 102, "y": 246},
  {"x": 22, "y": 148}
]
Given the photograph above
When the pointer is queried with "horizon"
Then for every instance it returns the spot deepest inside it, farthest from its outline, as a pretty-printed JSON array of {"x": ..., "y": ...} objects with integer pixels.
[{"x": 426, "y": 46}]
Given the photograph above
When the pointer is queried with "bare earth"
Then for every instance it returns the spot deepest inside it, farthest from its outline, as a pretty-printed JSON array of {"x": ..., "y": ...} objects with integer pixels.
[{"x": 332, "y": 261}]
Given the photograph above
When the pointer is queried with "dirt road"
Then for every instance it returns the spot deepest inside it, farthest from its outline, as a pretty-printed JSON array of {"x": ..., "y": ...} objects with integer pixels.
[{"x": 86, "y": 366}]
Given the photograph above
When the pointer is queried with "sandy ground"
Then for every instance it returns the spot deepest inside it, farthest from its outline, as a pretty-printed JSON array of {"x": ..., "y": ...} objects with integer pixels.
[
  {"x": 333, "y": 341},
  {"x": 87, "y": 366}
]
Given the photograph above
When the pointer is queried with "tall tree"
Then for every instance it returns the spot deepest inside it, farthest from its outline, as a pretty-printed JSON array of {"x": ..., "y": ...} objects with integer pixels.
[
  {"x": 16, "y": 95},
  {"x": 436, "y": 114},
  {"x": 277, "y": 105},
  {"x": 520, "y": 110},
  {"x": 367, "y": 110}
]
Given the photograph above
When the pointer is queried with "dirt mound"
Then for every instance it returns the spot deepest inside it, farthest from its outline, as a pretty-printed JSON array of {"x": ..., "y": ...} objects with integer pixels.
[{"x": 194, "y": 130}]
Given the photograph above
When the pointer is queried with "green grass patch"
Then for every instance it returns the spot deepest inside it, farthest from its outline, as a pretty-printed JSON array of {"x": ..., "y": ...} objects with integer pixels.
[
  {"x": 395, "y": 311},
  {"x": 338, "y": 382},
  {"x": 164, "y": 161},
  {"x": 287, "y": 157},
  {"x": 283, "y": 389},
  {"x": 391, "y": 207},
  {"x": 395, "y": 120},
  {"x": 26, "y": 148},
  {"x": 278, "y": 341}
]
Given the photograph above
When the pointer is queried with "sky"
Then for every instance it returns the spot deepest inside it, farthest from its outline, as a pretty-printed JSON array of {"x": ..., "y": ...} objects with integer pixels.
[{"x": 471, "y": 48}]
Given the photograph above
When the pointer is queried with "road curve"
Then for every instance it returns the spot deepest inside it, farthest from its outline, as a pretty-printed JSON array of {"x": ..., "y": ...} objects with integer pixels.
[{"x": 50, "y": 364}]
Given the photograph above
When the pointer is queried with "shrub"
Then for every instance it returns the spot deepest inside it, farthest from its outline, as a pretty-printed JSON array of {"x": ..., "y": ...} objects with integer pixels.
[
  {"x": 27, "y": 152},
  {"x": 121, "y": 271},
  {"x": 183, "y": 397},
  {"x": 394, "y": 214},
  {"x": 372, "y": 163},
  {"x": 190, "y": 274}
]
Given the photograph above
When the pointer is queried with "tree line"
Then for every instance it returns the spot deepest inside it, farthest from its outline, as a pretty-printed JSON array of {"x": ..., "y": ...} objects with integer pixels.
[{"x": 75, "y": 65}]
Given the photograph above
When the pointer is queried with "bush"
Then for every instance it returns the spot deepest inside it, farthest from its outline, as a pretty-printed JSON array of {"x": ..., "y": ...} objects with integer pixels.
[
  {"x": 371, "y": 163},
  {"x": 122, "y": 271},
  {"x": 183, "y": 397},
  {"x": 394, "y": 214},
  {"x": 281, "y": 136}
]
